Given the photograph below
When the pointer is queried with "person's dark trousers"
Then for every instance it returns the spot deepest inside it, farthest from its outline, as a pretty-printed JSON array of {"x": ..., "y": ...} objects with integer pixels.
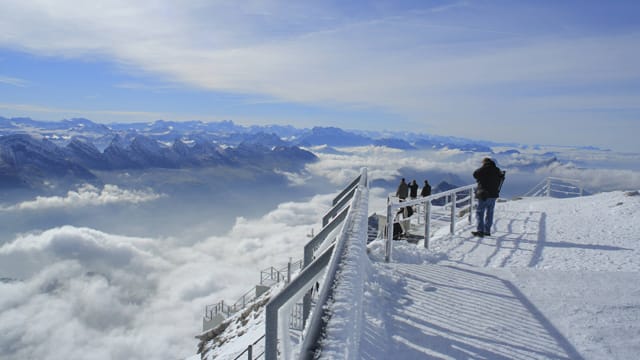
[{"x": 484, "y": 215}]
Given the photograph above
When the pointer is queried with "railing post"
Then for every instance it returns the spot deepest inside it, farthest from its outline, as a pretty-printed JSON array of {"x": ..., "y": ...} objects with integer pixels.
[
  {"x": 471, "y": 200},
  {"x": 452, "y": 226},
  {"x": 306, "y": 307},
  {"x": 271, "y": 332},
  {"x": 548, "y": 187},
  {"x": 250, "y": 352},
  {"x": 388, "y": 243},
  {"x": 427, "y": 223}
]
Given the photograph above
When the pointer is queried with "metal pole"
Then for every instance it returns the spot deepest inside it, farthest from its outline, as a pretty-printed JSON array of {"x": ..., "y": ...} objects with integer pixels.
[
  {"x": 548, "y": 187},
  {"x": 452, "y": 227},
  {"x": 289, "y": 271},
  {"x": 306, "y": 308},
  {"x": 471, "y": 200},
  {"x": 427, "y": 223},
  {"x": 387, "y": 248},
  {"x": 250, "y": 352},
  {"x": 271, "y": 331}
]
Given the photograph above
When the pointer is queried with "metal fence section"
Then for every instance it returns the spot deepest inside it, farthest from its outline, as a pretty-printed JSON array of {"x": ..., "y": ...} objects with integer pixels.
[
  {"x": 449, "y": 202},
  {"x": 557, "y": 187},
  {"x": 214, "y": 314},
  {"x": 320, "y": 264},
  {"x": 271, "y": 276},
  {"x": 251, "y": 349}
]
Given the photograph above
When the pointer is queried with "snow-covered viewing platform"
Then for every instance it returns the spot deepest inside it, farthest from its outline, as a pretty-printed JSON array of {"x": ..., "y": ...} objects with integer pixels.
[{"x": 557, "y": 279}]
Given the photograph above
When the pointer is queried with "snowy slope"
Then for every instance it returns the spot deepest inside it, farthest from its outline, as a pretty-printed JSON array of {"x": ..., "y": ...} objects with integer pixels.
[{"x": 559, "y": 279}]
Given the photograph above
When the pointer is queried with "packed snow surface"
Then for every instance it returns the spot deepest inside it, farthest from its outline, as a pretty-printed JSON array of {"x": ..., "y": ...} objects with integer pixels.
[{"x": 558, "y": 279}]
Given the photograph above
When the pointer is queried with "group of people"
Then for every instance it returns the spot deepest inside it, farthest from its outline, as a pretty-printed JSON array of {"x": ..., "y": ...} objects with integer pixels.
[
  {"x": 489, "y": 179},
  {"x": 401, "y": 226},
  {"x": 411, "y": 190}
]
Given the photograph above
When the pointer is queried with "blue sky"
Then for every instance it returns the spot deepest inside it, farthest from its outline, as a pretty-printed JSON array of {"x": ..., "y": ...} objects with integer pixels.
[{"x": 536, "y": 72}]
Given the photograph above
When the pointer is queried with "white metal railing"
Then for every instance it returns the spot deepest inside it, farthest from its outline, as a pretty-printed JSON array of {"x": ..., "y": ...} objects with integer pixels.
[
  {"x": 271, "y": 275},
  {"x": 268, "y": 277},
  {"x": 460, "y": 198},
  {"x": 250, "y": 349},
  {"x": 321, "y": 257},
  {"x": 554, "y": 186}
]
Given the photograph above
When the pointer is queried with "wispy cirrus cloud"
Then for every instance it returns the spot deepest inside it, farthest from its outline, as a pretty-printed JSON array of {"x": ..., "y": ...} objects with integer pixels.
[
  {"x": 70, "y": 112},
  {"x": 442, "y": 68},
  {"x": 7, "y": 80}
]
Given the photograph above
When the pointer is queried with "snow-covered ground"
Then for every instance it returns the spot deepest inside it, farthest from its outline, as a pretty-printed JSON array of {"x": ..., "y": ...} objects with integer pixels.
[{"x": 558, "y": 279}]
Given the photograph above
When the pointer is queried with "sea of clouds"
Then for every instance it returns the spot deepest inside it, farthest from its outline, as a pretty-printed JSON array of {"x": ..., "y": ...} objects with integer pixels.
[
  {"x": 75, "y": 292},
  {"x": 78, "y": 293}
]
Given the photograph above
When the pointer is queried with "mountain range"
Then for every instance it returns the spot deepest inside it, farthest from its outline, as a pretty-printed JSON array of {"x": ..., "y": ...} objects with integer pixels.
[
  {"x": 228, "y": 133},
  {"x": 34, "y": 154}
]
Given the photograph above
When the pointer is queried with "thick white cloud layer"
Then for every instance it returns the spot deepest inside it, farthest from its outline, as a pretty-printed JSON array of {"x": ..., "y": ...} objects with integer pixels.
[
  {"x": 385, "y": 163},
  {"x": 599, "y": 170},
  {"x": 86, "y": 294},
  {"x": 87, "y": 195}
]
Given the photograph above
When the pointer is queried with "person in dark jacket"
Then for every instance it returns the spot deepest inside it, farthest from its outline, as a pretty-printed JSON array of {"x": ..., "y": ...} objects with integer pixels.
[
  {"x": 403, "y": 190},
  {"x": 489, "y": 179},
  {"x": 413, "y": 189},
  {"x": 426, "y": 189}
]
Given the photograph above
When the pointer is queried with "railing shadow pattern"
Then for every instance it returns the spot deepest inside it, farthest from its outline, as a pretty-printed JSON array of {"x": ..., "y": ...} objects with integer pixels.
[{"x": 443, "y": 312}]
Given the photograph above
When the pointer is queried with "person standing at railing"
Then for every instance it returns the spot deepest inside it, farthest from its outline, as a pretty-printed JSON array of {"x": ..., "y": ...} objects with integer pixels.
[
  {"x": 413, "y": 190},
  {"x": 403, "y": 190},
  {"x": 426, "y": 189},
  {"x": 489, "y": 179}
]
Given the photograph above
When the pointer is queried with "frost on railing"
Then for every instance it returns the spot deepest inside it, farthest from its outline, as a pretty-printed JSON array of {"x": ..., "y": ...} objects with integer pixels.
[
  {"x": 557, "y": 187},
  {"x": 321, "y": 256}
]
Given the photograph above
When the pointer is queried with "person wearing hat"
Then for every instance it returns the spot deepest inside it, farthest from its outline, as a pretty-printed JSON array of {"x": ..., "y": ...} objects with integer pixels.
[{"x": 489, "y": 179}]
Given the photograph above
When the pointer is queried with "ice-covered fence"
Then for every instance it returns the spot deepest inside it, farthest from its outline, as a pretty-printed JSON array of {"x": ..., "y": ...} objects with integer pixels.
[
  {"x": 452, "y": 200},
  {"x": 321, "y": 259},
  {"x": 557, "y": 187}
]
